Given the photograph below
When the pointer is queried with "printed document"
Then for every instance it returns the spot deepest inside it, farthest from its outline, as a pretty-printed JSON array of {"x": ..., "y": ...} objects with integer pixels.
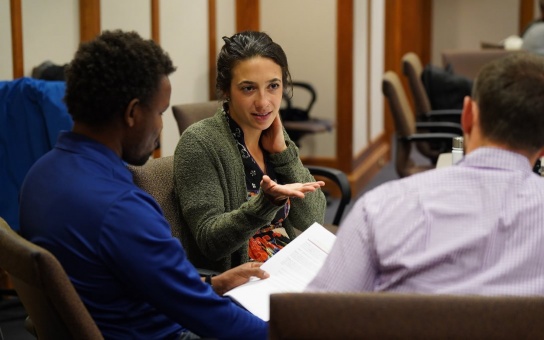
[{"x": 291, "y": 270}]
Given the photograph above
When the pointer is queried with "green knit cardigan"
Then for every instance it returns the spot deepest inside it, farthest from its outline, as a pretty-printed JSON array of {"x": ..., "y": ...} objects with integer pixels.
[{"x": 209, "y": 180}]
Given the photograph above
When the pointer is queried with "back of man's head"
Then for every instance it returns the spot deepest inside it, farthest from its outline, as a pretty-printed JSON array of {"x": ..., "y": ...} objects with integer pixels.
[
  {"x": 510, "y": 95},
  {"x": 111, "y": 70}
]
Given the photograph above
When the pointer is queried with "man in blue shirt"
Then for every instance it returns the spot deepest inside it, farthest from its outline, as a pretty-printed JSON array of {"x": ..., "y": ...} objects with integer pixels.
[{"x": 79, "y": 202}]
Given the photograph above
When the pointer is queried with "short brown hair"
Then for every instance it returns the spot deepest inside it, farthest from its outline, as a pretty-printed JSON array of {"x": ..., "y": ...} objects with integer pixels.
[{"x": 510, "y": 95}]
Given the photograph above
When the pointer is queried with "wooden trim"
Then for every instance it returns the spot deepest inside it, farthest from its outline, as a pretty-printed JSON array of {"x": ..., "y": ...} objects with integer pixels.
[
  {"x": 368, "y": 163},
  {"x": 212, "y": 50},
  {"x": 526, "y": 13},
  {"x": 368, "y": 68},
  {"x": 155, "y": 21},
  {"x": 17, "y": 54},
  {"x": 344, "y": 80},
  {"x": 426, "y": 27},
  {"x": 156, "y": 36},
  {"x": 393, "y": 17},
  {"x": 247, "y": 15},
  {"x": 407, "y": 29},
  {"x": 89, "y": 19},
  {"x": 323, "y": 161},
  {"x": 372, "y": 145}
]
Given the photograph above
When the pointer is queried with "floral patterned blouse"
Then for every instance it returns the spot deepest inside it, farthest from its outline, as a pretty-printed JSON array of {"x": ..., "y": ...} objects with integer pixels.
[{"x": 269, "y": 239}]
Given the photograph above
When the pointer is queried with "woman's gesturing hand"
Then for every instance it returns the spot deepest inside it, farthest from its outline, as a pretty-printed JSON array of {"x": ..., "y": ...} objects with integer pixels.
[{"x": 278, "y": 193}]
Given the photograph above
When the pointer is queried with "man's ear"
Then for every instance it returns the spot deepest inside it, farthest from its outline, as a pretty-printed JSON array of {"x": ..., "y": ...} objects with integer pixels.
[
  {"x": 129, "y": 116},
  {"x": 468, "y": 115}
]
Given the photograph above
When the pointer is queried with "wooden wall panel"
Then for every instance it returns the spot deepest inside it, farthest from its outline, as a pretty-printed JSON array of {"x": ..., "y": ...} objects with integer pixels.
[
  {"x": 156, "y": 36},
  {"x": 212, "y": 50},
  {"x": 247, "y": 15},
  {"x": 526, "y": 13},
  {"x": 89, "y": 19},
  {"x": 407, "y": 29},
  {"x": 155, "y": 21},
  {"x": 17, "y": 39},
  {"x": 344, "y": 84}
]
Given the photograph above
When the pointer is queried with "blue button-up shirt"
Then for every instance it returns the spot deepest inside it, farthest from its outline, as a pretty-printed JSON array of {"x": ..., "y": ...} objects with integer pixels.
[{"x": 79, "y": 202}]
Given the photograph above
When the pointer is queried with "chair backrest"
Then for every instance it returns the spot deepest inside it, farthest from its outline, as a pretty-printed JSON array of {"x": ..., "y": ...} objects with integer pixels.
[
  {"x": 45, "y": 290},
  {"x": 405, "y": 126},
  {"x": 404, "y": 316},
  {"x": 412, "y": 69},
  {"x": 156, "y": 177},
  {"x": 187, "y": 114},
  {"x": 403, "y": 115},
  {"x": 342, "y": 182}
]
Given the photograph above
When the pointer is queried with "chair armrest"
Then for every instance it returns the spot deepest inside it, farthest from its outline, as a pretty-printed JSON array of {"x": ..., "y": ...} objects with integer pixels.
[
  {"x": 205, "y": 272},
  {"x": 441, "y": 127},
  {"x": 429, "y": 137},
  {"x": 453, "y": 116},
  {"x": 340, "y": 178}
]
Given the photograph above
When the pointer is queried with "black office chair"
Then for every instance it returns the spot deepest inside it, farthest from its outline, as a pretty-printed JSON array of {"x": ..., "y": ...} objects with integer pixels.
[
  {"x": 413, "y": 70},
  {"x": 433, "y": 138},
  {"x": 297, "y": 120},
  {"x": 341, "y": 180}
]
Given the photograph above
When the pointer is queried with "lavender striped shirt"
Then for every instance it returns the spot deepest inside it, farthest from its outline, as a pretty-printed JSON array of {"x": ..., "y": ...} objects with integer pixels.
[{"x": 473, "y": 228}]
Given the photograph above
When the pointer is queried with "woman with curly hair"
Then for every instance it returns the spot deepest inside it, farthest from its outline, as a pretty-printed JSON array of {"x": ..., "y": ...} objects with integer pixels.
[{"x": 242, "y": 187}]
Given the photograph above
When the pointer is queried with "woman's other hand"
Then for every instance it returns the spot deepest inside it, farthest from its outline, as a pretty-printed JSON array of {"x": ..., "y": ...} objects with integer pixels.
[{"x": 272, "y": 139}]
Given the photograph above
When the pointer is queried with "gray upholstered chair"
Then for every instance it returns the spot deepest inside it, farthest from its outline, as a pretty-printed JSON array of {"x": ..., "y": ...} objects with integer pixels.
[
  {"x": 404, "y": 316},
  {"x": 156, "y": 177},
  {"x": 53, "y": 305},
  {"x": 187, "y": 114},
  {"x": 431, "y": 138}
]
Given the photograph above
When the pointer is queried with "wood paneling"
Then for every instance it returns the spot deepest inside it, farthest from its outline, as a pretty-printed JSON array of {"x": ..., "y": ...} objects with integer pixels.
[
  {"x": 156, "y": 36},
  {"x": 17, "y": 39},
  {"x": 344, "y": 84},
  {"x": 155, "y": 21},
  {"x": 407, "y": 29},
  {"x": 89, "y": 19},
  {"x": 526, "y": 13},
  {"x": 247, "y": 15},
  {"x": 212, "y": 51}
]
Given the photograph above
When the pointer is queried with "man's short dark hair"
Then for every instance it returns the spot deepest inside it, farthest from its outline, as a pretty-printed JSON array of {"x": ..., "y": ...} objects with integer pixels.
[
  {"x": 111, "y": 70},
  {"x": 510, "y": 95}
]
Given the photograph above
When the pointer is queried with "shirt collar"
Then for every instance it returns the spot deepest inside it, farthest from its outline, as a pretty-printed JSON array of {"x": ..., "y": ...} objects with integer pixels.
[
  {"x": 83, "y": 145},
  {"x": 496, "y": 158}
]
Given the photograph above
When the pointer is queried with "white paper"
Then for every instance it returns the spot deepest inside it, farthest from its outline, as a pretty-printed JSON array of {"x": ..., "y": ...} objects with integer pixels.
[{"x": 291, "y": 269}]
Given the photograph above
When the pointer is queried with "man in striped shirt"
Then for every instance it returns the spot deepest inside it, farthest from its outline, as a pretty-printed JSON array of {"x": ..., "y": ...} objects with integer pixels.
[{"x": 473, "y": 228}]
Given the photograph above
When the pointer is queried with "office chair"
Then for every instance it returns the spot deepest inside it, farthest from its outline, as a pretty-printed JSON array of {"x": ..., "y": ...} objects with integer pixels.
[
  {"x": 186, "y": 114},
  {"x": 412, "y": 69},
  {"x": 440, "y": 134},
  {"x": 55, "y": 309},
  {"x": 297, "y": 121},
  {"x": 381, "y": 315}
]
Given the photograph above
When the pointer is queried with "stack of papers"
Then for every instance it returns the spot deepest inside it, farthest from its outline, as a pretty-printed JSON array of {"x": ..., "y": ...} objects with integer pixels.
[{"x": 291, "y": 270}]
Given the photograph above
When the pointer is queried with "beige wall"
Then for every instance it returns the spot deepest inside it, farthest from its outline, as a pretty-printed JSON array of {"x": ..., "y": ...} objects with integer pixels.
[
  {"x": 307, "y": 34},
  {"x": 463, "y": 24},
  {"x": 6, "y": 69},
  {"x": 305, "y": 28}
]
